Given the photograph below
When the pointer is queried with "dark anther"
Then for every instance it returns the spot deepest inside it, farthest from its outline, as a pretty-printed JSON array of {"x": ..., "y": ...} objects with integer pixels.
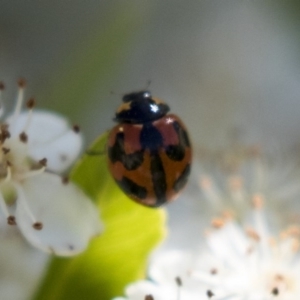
[
  {"x": 21, "y": 82},
  {"x": 30, "y": 103},
  {"x": 149, "y": 297},
  {"x": 38, "y": 225},
  {"x": 4, "y": 133},
  {"x": 213, "y": 271},
  {"x": 65, "y": 180},
  {"x": 209, "y": 294},
  {"x": 275, "y": 291},
  {"x": 5, "y": 150},
  {"x": 76, "y": 128},
  {"x": 178, "y": 281},
  {"x": 11, "y": 220},
  {"x": 43, "y": 162},
  {"x": 2, "y": 86},
  {"x": 23, "y": 137}
]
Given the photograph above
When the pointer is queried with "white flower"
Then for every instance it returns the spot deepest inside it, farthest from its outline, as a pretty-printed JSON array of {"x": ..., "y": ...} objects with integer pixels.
[
  {"x": 246, "y": 258},
  {"x": 231, "y": 177},
  {"x": 238, "y": 264},
  {"x": 52, "y": 213}
]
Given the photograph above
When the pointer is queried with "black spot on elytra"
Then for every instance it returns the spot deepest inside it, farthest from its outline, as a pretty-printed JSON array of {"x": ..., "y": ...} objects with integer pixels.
[
  {"x": 131, "y": 188},
  {"x": 117, "y": 153},
  {"x": 177, "y": 152},
  {"x": 182, "y": 179},
  {"x": 158, "y": 179},
  {"x": 183, "y": 136}
]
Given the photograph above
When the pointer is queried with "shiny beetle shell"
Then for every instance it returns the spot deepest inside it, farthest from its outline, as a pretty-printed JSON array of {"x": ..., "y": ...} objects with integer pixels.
[{"x": 149, "y": 152}]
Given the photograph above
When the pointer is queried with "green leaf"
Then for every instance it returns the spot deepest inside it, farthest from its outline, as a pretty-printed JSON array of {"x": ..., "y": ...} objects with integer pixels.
[{"x": 119, "y": 255}]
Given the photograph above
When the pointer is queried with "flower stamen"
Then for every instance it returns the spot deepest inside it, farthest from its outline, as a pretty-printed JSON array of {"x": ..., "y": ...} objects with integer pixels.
[
  {"x": 275, "y": 291},
  {"x": 76, "y": 128},
  {"x": 209, "y": 293},
  {"x": 20, "y": 98},
  {"x": 179, "y": 284},
  {"x": 4, "y": 133},
  {"x": 23, "y": 137},
  {"x": 38, "y": 225},
  {"x": 210, "y": 191},
  {"x": 30, "y": 105},
  {"x": 65, "y": 180},
  {"x": 1, "y": 103},
  {"x": 34, "y": 172},
  {"x": 8, "y": 174},
  {"x": 10, "y": 219},
  {"x": 217, "y": 223},
  {"x": 43, "y": 162},
  {"x": 22, "y": 199},
  {"x": 5, "y": 150}
]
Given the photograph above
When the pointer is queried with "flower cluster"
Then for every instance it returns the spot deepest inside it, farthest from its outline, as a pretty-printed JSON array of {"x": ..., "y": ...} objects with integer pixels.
[
  {"x": 244, "y": 255},
  {"x": 51, "y": 212}
]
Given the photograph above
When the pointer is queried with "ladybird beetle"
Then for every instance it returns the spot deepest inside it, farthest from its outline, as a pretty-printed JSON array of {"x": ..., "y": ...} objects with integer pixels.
[{"x": 149, "y": 152}]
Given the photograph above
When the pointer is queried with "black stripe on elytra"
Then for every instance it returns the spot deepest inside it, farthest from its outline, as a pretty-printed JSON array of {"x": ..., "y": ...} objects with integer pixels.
[
  {"x": 131, "y": 188},
  {"x": 177, "y": 152},
  {"x": 117, "y": 153},
  {"x": 152, "y": 140},
  {"x": 158, "y": 178},
  {"x": 182, "y": 179}
]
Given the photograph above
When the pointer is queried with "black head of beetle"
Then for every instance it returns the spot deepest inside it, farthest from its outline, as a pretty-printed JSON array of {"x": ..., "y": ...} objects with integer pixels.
[{"x": 140, "y": 107}]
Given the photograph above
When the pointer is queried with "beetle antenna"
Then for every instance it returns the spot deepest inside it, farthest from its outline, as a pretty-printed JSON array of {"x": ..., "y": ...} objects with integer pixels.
[{"x": 148, "y": 84}]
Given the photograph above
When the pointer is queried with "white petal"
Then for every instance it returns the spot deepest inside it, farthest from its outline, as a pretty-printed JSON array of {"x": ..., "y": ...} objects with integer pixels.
[
  {"x": 22, "y": 266},
  {"x": 49, "y": 136},
  {"x": 44, "y": 125},
  {"x": 69, "y": 218},
  {"x": 60, "y": 153}
]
